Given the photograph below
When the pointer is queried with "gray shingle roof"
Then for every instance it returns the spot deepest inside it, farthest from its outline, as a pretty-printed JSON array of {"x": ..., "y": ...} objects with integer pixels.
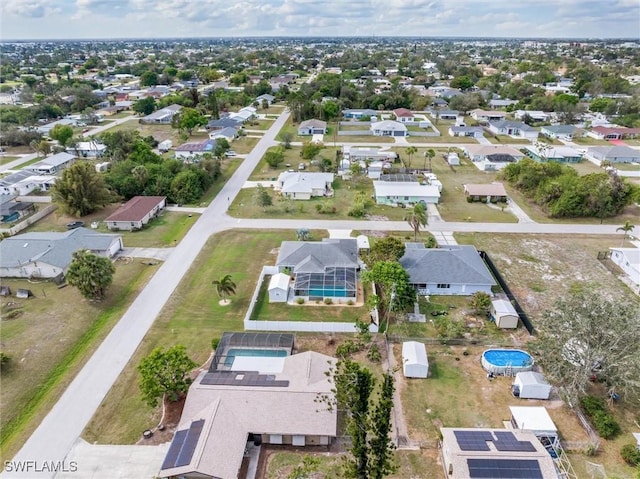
[
  {"x": 459, "y": 264},
  {"x": 51, "y": 248},
  {"x": 316, "y": 256}
]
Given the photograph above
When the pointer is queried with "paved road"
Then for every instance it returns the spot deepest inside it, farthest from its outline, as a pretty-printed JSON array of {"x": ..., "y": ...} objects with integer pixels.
[{"x": 59, "y": 430}]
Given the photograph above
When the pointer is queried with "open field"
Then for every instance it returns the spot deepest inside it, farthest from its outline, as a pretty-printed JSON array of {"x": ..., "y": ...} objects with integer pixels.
[
  {"x": 363, "y": 139},
  {"x": 191, "y": 317},
  {"x": 163, "y": 231},
  {"x": 243, "y": 145},
  {"x": 541, "y": 268},
  {"x": 160, "y": 132},
  {"x": 262, "y": 125},
  {"x": 291, "y": 160},
  {"x": 49, "y": 338}
]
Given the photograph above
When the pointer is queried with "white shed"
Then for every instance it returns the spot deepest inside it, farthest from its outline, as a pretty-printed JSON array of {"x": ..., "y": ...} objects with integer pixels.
[
  {"x": 531, "y": 385},
  {"x": 414, "y": 360},
  {"x": 278, "y": 288},
  {"x": 535, "y": 419},
  {"x": 453, "y": 159},
  {"x": 504, "y": 314},
  {"x": 165, "y": 146}
]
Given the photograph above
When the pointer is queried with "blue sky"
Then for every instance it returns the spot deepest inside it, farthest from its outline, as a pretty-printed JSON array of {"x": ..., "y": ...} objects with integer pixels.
[{"x": 57, "y": 19}]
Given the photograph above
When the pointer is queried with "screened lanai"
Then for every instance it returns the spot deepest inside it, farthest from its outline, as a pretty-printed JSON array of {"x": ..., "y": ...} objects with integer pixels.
[{"x": 336, "y": 282}]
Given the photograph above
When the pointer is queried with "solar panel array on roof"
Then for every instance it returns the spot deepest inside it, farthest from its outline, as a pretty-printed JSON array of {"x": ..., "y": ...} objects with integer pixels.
[
  {"x": 190, "y": 442},
  {"x": 242, "y": 378},
  {"x": 473, "y": 440},
  {"x": 504, "y": 469},
  {"x": 174, "y": 449},
  {"x": 508, "y": 442}
]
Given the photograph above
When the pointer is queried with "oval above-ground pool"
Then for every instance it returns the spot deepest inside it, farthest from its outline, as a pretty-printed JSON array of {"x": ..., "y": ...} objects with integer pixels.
[{"x": 506, "y": 362}]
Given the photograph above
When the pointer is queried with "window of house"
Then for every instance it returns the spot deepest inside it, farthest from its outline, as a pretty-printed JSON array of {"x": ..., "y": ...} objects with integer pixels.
[{"x": 443, "y": 286}]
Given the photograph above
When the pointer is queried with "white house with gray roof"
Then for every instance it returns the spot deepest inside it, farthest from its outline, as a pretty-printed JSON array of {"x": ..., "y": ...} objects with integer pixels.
[
  {"x": 302, "y": 186},
  {"x": 49, "y": 254},
  {"x": 321, "y": 269},
  {"x": 389, "y": 128},
  {"x": 451, "y": 270},
  {"x": 615, "y": 154},
  {"x": 52, "y": 164},
  {"x": 163, "y": 116},
  {"x": 516, "y": 129},
  {"x": 23, "y": 182}
]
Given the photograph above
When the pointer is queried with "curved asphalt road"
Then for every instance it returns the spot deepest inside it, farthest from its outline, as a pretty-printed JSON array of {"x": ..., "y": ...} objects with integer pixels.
[{"x": 59, "y": 430}]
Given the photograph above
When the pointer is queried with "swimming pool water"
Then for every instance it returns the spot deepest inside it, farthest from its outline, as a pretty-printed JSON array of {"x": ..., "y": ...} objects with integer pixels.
[
  {"x": 262, "y": 353},
  {"x": 507, "y": 357}
]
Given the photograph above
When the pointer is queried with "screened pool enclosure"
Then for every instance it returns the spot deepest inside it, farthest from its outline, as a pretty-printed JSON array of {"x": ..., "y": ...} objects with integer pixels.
[{"x": 333, "y": 283}]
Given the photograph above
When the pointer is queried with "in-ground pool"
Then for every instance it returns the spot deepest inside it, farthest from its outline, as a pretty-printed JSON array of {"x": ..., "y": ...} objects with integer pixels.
[
  {"x": 253, "y": 352},
  {"x": 506, "y": 362}
]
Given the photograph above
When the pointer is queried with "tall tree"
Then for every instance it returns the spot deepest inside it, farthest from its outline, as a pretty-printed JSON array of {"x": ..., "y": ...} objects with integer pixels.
[
  {"x": 626, "y": 228},
  {"x": 274, "y": 156},
  {"x": 145, "y": 106},
  {"x": 286, "y": 137},
  {"x": 90, "y": 273},
  {"x": 224, "y": 286},
  {"x": 189, "y": 118},
  {"x": 430, "y": 154},
  {"x": 410, "y": 152},
  {"x": 381, "y": 447},
  {"x": 587, "y": 335},
  {"x": 61, "y": 133},
  {"x": 417, "y": 218},
  {"x": 384, "y": 249},
  {"x": 80, "y": 190},
  {"x": 392, "y": 282},
  {"x": 262, "y": 196},
  {"x": 165, "y": 372}
]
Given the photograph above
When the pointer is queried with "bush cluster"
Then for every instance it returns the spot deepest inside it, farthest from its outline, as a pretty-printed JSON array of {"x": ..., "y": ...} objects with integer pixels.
[
  {"x": 631, "y": 454},
  {"x": 602, "y": 419}
]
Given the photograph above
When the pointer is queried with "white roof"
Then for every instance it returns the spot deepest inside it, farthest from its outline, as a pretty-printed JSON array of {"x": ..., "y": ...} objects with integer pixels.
[
  {"x": 637, "y": 436},
  {"x": 414, "y": 352},
  {"x": 555, "y": 152},
  {"x": 533, "y": 418},
  {"x": 279, "y": 281},
  {"x": 303, "y": 182},
  {"x": 502, "y": 306},
  {"x": 388, "y": 125},
  {"x": 363, "y": 242},
  {"x": 404, "y": 188},
  {"x": 531, "y": 377}
]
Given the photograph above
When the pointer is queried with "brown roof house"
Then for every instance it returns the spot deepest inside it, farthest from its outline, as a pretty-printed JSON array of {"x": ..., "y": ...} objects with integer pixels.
[
  {"x": 490, "y": 192},
  {"x": 136, "y": 213},
  {"x": 246, "y": 399}
]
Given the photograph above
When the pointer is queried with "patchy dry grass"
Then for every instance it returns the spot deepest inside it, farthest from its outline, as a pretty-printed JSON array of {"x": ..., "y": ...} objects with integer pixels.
[{"x": 49, "y": 339}]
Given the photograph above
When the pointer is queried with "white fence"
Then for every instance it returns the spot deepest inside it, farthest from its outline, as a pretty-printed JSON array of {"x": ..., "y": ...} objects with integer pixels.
[
  {"x": 29, "y": 221},
  {"x": 35, "y": 199},
  {"x": 298, "y": 326}
]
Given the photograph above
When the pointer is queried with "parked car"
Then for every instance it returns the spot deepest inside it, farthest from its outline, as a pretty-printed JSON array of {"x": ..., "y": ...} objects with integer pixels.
[
  {"x": 75, "y": 224},
  {"x": 230, "y": 153}
]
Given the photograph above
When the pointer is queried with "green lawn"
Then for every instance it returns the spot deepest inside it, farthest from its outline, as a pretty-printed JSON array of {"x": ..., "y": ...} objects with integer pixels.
[
  {"x": 244, "y": 145},
  {"x": 7, "y": 159},
  {"x": 587, "y": 140},
  {"x": 50, "y": 339},
  {"x": 507, "y": 140},
  {"x": 229, "y": 167},
  {"x": 363, "y": 139},
  {"x": 262, "y": 125},
  {"x": 160, "y": 132},
  {"x": 291, "y": 160},
  {"x": 626, "y": 166},
  {"x": 191, "y": 317}
]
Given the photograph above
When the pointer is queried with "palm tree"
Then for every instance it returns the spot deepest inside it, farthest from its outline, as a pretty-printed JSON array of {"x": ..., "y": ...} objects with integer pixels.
[
  {"x": 430, "y": 153},
  {"x": 417, "y": 217},
  {"x": 626, "y": 228},
  {"x": 225, "y": 287},
  {"x": 410, "y": 151}
]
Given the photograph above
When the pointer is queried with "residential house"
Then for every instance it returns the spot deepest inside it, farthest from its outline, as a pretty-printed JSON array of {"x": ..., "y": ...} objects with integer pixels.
[
  {"x": 449, "y": 270},
  {"x": 535, "y": 115},
  {"x": 24, "y": 182},
  {"x": 244, "y": 114},
  {"x": 321, "y": 269},
  {"x": 312, "y": 127},
  {"x": 403, "y": 115},
  {"x": 499, "y": 103},
  {"x": 358, "y": 114},
  {"x": 194, "y": 150},
  {"x": 492, "y": 453},
  {"x": 375, "y": 169},
  {"x": 228, "y": 134},
  {"x": 562, "y": 132},
  {"x": 52, "y": 164},
  {"x": 492, "y": 157},
  {"x": 613, "y": 133},
  {"x": 245, "y": 400},
  {"x": 487, "y": 115},
  {"x": 388, "y": 128},
  {"x": 365, "y": 153},
  {"x": 471, "y": 131},
  {"x": 46, "y": 129},
  {"x": 87, "y": 149},
  {"x": 136, "y": 213},
  {"x": 453, "y": 159},
  {"x": 49, "y": 254},
  {"x": 561, "y": 154},
  {"x": 628, "y": 259},
  {"x": 223, "y": 123},
  {"x": 265, "y": 97},
  {"x": 516, "y": 129},
  {"x": 488, "y": 193},
  {"x": 405, "y": 193},
  {"x": 163, "y": 116},
  {"x": 12, "y": 210},
  {"x": 303, "y": 186},
  {"x": 615, "y": 154},
  {"x": 444, "y": 114}
]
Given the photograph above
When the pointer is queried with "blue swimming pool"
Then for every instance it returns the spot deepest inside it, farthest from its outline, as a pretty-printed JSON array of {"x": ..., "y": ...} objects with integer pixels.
[
  {"x": 506, "y": 361},
  {"x": 253, "y": 352}
]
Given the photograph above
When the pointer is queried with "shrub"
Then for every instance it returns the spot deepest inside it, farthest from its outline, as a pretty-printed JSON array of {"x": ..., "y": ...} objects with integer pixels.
[
  {"x": 300, "y": 300},
  {"x": 5, "y": 361},
  {"x": 350, "y": 302},
  {"x": 328, "y": 301},
  {"x": 373, "y": 354},
  {"x": 214, "y": 343},
  {"x": 346, "y": 349},
  {"x": 602, "y": 419},
  {"x": 630, "y": 454}
]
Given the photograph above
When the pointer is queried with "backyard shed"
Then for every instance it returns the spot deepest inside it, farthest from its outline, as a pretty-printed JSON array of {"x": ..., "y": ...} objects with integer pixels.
[
  {"x": 414, "y": 360},
  {"x": 279, "y": 288},
  {"x": 504, "y": 314},
  {"x": 537, "y": 420},
  {"x": 531, "y": 385}
]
